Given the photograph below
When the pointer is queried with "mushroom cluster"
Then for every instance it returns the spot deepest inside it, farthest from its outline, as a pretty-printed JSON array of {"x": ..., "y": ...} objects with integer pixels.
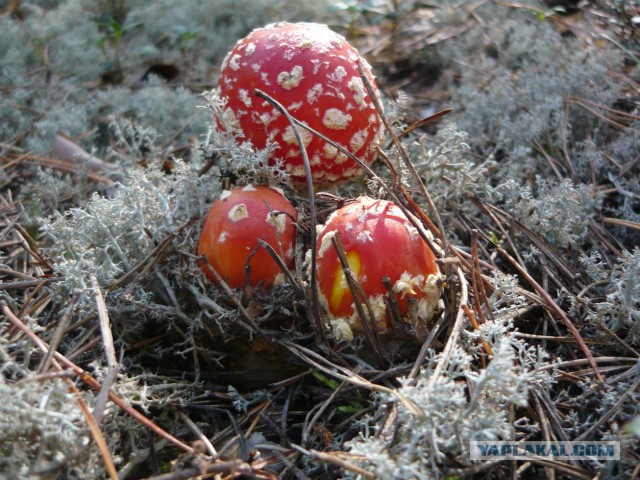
[{"x": 313, "y": 72}]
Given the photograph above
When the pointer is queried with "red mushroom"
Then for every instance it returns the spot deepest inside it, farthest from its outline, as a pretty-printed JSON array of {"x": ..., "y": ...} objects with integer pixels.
[
  {"x": 379, "y": 241},
  {"x": 313, "y": 72},
  {"x": 231, "y": 231}
]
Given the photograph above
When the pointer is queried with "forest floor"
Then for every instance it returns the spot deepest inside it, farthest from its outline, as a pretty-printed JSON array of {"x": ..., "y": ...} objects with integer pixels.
[{"x": 119, "y": 358}]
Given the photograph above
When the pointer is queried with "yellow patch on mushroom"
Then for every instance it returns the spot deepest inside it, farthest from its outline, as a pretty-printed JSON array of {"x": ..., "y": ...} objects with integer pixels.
[{"x": 340, "y": 286}]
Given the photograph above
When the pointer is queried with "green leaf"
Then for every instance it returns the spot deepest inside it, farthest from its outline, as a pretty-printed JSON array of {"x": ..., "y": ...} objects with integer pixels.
[
  {"x": 329, "y": 382},
  {"x": 353, "y": 407}
]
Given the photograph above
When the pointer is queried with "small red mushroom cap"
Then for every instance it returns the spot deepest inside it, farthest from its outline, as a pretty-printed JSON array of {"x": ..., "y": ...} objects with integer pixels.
[
  {"x": 232, "y": 228},
  {"x": 379, "y": 241},
  {"x": 313, "y": 72}
]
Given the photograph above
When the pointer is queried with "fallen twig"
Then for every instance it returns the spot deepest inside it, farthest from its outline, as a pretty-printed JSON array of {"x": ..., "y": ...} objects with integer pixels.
[{"x": 107, "y": 341}]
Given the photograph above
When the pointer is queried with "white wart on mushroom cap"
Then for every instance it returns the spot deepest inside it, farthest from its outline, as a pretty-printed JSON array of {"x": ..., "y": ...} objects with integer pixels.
[{"x": 313, "y": 72}]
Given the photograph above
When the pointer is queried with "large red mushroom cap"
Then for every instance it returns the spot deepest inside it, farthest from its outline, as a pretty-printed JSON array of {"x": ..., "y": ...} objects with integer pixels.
[
  {"x": 313, "y": 72},
  {"x": 379, "y": 241},
  {"x": 231, "y": 231}
]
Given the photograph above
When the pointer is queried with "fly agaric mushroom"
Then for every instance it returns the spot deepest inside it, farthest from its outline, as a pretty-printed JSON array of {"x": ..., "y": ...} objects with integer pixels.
[
  {"x": 313, "y": 72},
  {"x": 235, "y": 222},
  {"x": 379, "y": 241}
]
